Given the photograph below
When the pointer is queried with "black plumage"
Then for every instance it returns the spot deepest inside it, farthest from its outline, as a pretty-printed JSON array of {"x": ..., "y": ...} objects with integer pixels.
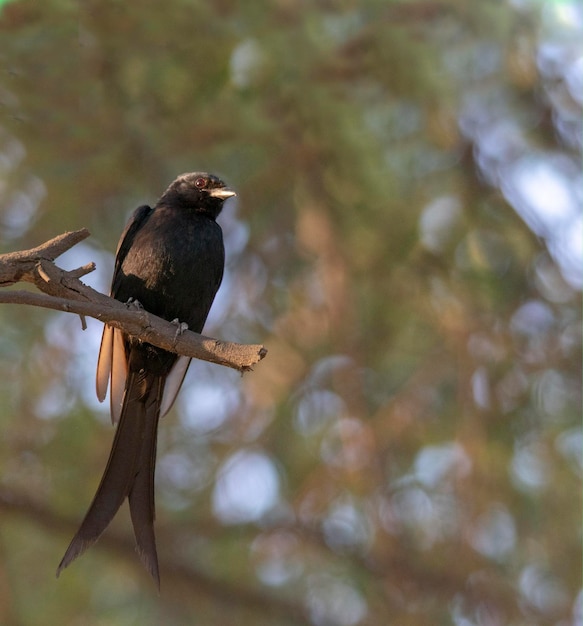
[{"x": 171, "y": 260}]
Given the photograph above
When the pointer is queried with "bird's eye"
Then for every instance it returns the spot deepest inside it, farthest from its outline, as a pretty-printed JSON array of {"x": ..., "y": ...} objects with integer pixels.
[{"x": 200, "y": 183}]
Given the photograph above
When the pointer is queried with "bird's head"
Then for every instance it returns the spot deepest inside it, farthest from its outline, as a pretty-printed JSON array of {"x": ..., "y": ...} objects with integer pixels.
[{"x": 199, "y": 191}]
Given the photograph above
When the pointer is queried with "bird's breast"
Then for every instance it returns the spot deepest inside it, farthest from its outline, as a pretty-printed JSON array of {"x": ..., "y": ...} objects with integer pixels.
[{"x": 175, "y": 266}]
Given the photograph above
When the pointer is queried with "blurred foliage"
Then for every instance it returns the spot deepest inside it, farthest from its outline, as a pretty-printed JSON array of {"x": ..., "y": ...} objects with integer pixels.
[{"x": 410, "y": 451}]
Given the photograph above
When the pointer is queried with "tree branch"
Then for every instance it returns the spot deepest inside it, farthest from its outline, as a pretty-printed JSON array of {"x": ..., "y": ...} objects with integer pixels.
[{"x": 63, "y": 291}]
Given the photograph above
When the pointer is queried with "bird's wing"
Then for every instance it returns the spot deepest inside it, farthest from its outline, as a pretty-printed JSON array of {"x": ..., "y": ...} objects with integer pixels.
[
  {"x": 104, "y": 363},
  {"x": 137, "y": 220},
  {"x": 112, "y": 359},
  {"x": 173, "y": 383}
]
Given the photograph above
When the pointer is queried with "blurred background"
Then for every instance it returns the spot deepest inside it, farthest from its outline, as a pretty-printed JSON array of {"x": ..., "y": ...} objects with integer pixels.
[{"x": 407, "y": 242}]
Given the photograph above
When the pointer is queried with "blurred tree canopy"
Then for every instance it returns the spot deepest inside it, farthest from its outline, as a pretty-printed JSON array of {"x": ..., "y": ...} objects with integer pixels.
[{"x": 410, "y": 451}]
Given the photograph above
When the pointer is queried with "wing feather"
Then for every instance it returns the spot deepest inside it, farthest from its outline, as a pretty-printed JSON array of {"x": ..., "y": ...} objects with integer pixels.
[
  {"x": 173, "y": 383},
  {"x": 112, "y": 361},
  {"x": 119, "y": 373},
  {"x": 137, "y": 220},
  {"x": 104, "y": 363}
]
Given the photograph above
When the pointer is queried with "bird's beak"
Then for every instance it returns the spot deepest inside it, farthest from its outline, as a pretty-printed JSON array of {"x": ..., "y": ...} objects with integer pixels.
[{"x": 221, "y": 192}]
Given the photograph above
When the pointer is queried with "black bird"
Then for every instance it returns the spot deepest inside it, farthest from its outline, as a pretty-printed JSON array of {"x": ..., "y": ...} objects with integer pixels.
[{"x": 171, "y": 260}]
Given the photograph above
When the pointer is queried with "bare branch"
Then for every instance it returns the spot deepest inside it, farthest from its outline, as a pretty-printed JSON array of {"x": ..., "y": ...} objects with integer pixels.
[
  {"x": 63, "y": 291},
  {"x": 15, "y": 264}
]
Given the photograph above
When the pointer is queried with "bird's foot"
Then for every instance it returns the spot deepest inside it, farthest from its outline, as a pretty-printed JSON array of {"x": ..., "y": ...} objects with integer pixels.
[
  {"x": 181, "y": 327},
  {"x": 132, "y": 303}
]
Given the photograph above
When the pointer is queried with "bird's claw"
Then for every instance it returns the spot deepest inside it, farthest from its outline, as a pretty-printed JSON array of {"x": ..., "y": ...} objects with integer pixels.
[
  {"x": 181, "y": 327},
  {"x": 132, "y": 303}
]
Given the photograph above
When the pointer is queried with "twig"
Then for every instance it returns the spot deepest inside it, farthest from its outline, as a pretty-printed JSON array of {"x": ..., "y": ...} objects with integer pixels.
[{"x": 63, "y": 291}]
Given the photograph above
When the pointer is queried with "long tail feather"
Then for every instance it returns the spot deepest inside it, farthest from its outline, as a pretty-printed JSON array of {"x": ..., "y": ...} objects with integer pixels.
[
  {"x": 141, "y": 496},
  {"x": 129, "y": 470}
]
